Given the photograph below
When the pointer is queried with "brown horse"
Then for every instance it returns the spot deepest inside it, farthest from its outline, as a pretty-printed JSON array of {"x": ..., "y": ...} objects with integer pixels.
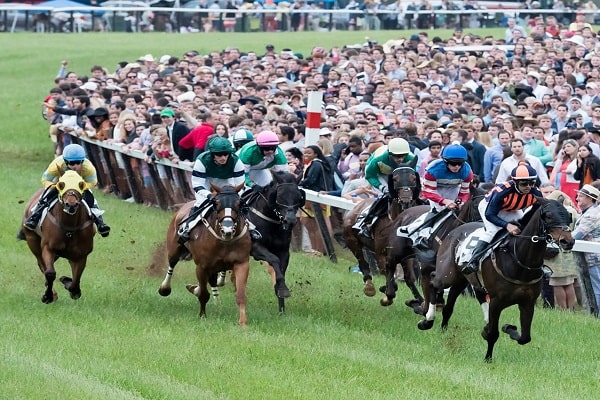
[
  {"x": 401, "y": 249},
  {"x": 512, "y": 274},
  {"x": 219, "y": 242},
  {"x": 67, "y": 232},
  {"x": 405, "y": 184}
]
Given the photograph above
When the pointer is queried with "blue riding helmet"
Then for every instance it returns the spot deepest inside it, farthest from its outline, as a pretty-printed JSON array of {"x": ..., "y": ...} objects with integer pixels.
[
  {"x": 454, "y": 152},
  {"x": 73, "y": 152}
]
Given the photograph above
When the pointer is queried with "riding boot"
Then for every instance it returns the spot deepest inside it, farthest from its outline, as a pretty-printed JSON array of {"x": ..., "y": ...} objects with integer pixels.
[
  {"x": 184, "y": 227},
  {"x": 254, "y": 234},
  {"x": 365, "y": 231},
  {"x": 103, "y": 229},
  {"x": 33, "y": 220},
  {"x": 473, "y": 264}
]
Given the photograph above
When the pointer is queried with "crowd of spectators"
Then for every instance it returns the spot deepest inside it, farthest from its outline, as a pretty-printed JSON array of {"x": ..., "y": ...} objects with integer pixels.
[{"x": 531, "y": 97}]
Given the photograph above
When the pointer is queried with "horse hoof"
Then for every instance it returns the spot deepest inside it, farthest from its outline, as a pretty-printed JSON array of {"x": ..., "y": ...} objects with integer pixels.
[
  {"x": 193, "y": 289},
  {"x": 49, "y": 299},
  {"x": 164, "y": 291},
  {"x": 415, "y": 305},
  {"x": 425, "y": 325},
  {"x": 386, "y": 301},
  {"x": 75, "y": 295},
  {"x": 369, "y": 289},
  {"x": 507, "y": 328},
  {"x": 66, "y": 281},
  {"x": 283, "y": 293}
]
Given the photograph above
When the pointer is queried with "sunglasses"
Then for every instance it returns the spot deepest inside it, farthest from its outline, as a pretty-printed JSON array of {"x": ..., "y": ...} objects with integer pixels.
[
  {"x": 221, "y": 153},
  {"x": 455, "y": 163},
  {"x": 270, "y": 148},
  {"x": 74, "y": 162},
  {"x": 526, "y": 183}
]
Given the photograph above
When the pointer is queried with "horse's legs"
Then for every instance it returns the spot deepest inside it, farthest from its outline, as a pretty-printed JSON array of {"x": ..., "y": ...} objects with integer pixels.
[
  {"x": 526, "y": 311},
  {"x": 73, "y": 284},
  {"x": 261, "y": 253},
  {"x": 241, "y": 278},
  {"x": 46, "y": 264},
  {"x": 165, "y": 286},
  {"x": 280, "y": 300},
  {"x": 455, "y": 291},
  {"x": 410, "y": 280},
  {"x": 202, "y": 293},
  {"x": 490, "y": 331},
  {"x": 430, "y": 295},
  {"x": 391, "y": 287}
]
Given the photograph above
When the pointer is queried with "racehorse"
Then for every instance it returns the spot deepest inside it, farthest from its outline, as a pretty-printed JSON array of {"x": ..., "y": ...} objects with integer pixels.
[
  {"x": 273, "y": 210},
  {"x": 404, "y": 182},
  {"x": 67, "y": 232},
  {"x": 401, "y": 249},
  {"x": 218, "y": 243},
  {"x": 511, "y": 274}
]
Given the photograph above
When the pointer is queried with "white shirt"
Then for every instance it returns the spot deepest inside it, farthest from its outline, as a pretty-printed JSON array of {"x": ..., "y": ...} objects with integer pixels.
[{"x": 510, "y": 163}]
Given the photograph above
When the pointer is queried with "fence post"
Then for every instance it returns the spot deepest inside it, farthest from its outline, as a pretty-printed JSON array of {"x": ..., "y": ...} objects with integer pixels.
[{"x": 318, "y": 213}]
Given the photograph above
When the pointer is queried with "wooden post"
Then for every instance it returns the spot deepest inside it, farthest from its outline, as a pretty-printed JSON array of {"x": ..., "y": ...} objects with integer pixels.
[{"x": 318, "y": 213}]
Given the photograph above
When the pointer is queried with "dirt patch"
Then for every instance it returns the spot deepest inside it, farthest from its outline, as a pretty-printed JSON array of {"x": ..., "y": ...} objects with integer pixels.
[{"x": 159, "y": 260}]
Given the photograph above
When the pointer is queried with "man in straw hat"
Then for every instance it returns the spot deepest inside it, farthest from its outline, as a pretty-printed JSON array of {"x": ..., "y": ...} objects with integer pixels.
[{"x": 587, "y": 227}]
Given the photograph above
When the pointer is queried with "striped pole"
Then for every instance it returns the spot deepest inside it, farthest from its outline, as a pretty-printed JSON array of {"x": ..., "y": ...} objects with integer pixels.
[{"x": 313, "y": 117}]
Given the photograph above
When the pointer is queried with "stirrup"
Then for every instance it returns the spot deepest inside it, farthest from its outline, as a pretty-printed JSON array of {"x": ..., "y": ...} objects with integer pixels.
[
  {"x": 469, "y": 268},
  {"x": 183, "y": 237},
  {"x": 365, "y": 232},
  {"x": 255, "y": 235},
  {"x": 103, "y": 230},
  {"x": 30, "y": 225}
]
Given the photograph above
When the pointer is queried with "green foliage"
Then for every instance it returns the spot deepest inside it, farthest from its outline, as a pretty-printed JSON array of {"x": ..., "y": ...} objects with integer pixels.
[{"x": 121, "y": 340}]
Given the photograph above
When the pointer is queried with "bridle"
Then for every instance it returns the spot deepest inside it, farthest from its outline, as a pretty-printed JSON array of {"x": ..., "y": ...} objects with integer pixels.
[{"x": 276, "y": 205}]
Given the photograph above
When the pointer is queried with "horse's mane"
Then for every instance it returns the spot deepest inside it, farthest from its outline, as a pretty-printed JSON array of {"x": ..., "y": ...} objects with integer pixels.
[{"x": 282, "y": 177}]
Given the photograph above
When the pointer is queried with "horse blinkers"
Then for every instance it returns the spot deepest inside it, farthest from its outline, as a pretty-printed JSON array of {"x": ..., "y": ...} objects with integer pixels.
[{"x": 405, "y": 181}]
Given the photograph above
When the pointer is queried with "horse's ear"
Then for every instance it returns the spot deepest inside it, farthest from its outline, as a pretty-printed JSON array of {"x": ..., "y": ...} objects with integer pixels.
[
  {"x": 82, "y": 185},
  {"x": 239, "y": 187},
  {"x": 60, "y": 186},
  {"x": 214, "y": 188}
]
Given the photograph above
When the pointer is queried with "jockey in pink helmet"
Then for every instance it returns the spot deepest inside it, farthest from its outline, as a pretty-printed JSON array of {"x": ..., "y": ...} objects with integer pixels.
[{"x": 261, "y": 156}]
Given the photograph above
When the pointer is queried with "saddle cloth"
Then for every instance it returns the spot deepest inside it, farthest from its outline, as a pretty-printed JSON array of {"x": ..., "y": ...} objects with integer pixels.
[{"x": 464, "y": 250}]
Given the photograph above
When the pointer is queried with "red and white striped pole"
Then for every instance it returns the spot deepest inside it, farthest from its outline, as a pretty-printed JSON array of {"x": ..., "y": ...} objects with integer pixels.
[{"x": 313, "y": 118}]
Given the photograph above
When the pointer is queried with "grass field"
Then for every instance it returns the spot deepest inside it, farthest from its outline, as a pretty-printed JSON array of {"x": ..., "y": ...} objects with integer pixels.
[{"x": 121, "y": 340}]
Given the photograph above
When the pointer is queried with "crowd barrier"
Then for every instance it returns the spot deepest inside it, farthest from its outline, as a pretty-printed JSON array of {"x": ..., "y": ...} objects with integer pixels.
[
  {"x": 41, "y": 18},
  {"x": 165, "y": 184}
]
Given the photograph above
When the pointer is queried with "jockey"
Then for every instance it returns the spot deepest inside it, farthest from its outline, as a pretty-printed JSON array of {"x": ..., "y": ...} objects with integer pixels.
[
  {"x": 502, "y": 206},
  {"x": 446, "y": 185},
  {"x": 377, "y": 173},
  {"x": 73, "y": 158},
  {"x": 260, "y": 156},
  {"x": 220, "y": 166},
  {"x": 240, "y": 137}
]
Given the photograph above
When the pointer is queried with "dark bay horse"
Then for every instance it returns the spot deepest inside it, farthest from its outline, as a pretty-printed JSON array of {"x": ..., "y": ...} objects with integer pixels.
[
  {"x": 405, "y": 192},
  {"x": 273, "y": 211},
  {"x": 219, "y": 242},
  {"x": 67, "y": 232},
  {"x": 401, "y": 249},
  {"x": 511, "y": 275}
]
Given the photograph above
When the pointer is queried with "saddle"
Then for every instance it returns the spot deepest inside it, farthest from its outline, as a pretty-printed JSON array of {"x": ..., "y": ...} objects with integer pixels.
[{"x": 464, "y": 251}]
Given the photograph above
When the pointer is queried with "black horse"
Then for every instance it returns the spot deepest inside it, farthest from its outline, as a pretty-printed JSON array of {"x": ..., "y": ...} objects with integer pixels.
[
  {"x": 401, "y": 249},
  {"x": 512, "y": 274},
  {"x": 273, "y": 210}
]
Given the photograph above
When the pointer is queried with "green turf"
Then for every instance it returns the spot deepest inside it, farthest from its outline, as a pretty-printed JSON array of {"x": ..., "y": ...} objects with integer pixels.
[{"x": 121, "y": 340}]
